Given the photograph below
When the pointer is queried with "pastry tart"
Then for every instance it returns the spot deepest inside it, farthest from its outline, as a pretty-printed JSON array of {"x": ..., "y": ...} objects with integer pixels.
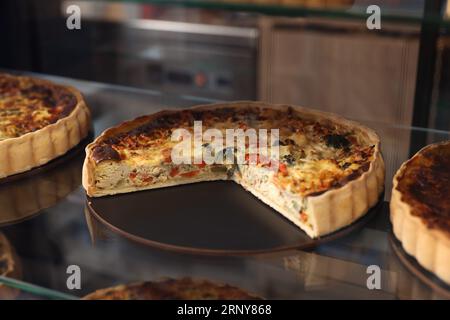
[
  {"x": 420, "y": 208},
  {"x": 39, "y": 121},
  {"x": 328, "y": 171}
]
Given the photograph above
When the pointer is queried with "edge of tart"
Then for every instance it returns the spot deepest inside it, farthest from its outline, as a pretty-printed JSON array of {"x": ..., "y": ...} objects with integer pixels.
[
  {"x": 429, "y": 245},
  {"x": 36, "y": 148}
]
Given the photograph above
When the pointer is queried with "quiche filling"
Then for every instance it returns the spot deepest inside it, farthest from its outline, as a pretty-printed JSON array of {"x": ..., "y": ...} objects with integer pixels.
[
  {"x": 26, "y": 106},
  {"x": 313, "y": 156}
]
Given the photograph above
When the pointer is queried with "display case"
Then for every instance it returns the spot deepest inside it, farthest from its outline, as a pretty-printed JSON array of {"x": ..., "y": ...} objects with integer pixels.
[{"x": 132, "y": 58}]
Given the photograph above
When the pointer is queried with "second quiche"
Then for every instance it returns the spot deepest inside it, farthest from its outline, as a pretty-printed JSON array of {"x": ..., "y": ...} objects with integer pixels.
[
  {"x": 420, "y": 208},
  {"x": 329, "y": 170},
  {"x": 39, "y": 121}
]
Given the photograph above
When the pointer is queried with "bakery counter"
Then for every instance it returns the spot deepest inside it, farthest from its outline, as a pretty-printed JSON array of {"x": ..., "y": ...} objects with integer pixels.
[{"x": 59, "y": 249}]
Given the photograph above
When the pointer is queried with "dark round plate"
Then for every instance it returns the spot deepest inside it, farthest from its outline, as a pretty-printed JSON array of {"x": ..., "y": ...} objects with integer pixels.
[
  {"x": 24, "y": 195},
  {"x": 216, "y": 218},
  {"x": 415, "y": 268},
  {"x": 51, "y": 164}
]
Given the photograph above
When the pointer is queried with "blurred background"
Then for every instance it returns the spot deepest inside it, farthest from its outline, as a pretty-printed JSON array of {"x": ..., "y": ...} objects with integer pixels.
[
  {"x": 315, "y": 53},
  {"x": 133, "y": 57}
]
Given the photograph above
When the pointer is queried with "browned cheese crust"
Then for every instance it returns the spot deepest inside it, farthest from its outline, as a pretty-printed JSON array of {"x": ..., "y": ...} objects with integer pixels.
[
  {"x": 39, "y": 121},
  {"x": 425, "y": 186},
  {"x": 27, "y": 104},
  {"x": 420, "y": 208},
  {"x": 171, "y": 289}
]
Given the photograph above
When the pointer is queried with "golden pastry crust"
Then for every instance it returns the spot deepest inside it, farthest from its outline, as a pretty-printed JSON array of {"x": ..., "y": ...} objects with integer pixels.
[
  {"x": 329, "y": 207},
  {"x": 23, "y": 150},
  {"x": 172, "y": 289},
  {"x": 423, "y": 233}
]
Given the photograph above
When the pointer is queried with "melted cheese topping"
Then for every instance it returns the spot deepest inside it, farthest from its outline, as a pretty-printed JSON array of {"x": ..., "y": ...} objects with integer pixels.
[
  {"x": 27, "y": 105},
  {"x": 425, "y": 185},
  {"x": 313, "y": 156}
]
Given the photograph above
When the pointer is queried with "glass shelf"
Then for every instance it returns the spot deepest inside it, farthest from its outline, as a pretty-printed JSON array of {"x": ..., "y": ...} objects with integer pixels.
[
  {"x": 11, "y": 289},
  {"x": 339, "y": 9},
  {"x": 63, "y": 233}
]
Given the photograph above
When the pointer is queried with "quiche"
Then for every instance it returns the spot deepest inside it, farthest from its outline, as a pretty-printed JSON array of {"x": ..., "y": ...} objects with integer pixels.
[
  {"x": 39, "y": 121},
  {"x": 327, "y": 172},
  {"x": 420, "y": 208},
  {"x": 172, "y": 289}
]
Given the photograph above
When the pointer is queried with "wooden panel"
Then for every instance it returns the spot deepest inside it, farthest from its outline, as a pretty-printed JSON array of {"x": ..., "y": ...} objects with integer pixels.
[{"x": 356, "y": 74}]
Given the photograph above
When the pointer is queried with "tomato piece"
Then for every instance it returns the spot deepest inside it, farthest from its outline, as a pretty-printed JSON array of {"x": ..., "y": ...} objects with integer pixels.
[
  {"x": 190, "y": 174},
  {"x": 174, "y": 171},
  {"x": 147, "y": 179},
  {"x": 283, "y": 169},
  {"x": 167, "y": 155},
  {"x": 201, "y": 165},
  {"x": 133, "y": 175},
  {"x": 303, "y": 216}
]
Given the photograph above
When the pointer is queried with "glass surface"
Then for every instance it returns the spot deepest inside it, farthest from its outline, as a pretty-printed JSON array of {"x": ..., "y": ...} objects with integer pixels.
[
  {"x": 49, "y": 237},
  {"x": 393, "y": 11}
]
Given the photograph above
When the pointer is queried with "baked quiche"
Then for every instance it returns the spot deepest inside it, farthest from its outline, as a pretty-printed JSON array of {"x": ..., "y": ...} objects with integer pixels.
[
  {"x": 172, "y": 289},
  {"x": 328, "y": 171},
  {"x": 39, "y": 121},
  {"x": 420, "y": 208}
]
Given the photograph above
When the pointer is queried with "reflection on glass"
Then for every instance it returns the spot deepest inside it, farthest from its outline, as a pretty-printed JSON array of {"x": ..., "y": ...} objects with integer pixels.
[{"x": 25, "y": 195}]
